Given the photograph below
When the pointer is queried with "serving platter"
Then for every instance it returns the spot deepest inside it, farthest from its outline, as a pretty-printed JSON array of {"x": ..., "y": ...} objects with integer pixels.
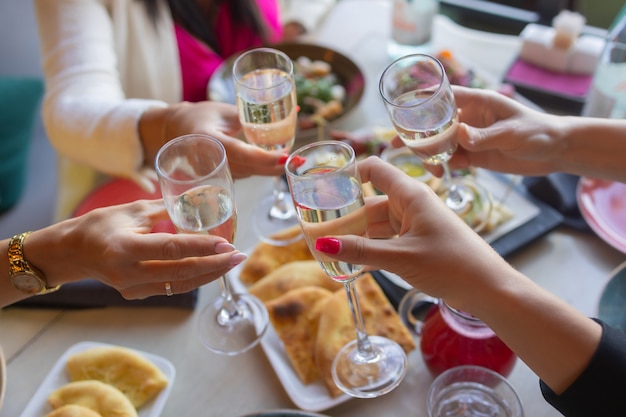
[
  {"x": 313, "y": 397},
  {"x": 57, "y": 377}
]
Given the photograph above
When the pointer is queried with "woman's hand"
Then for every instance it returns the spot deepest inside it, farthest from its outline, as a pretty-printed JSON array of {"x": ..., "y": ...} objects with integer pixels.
[
  {"x": 220, "y": 120},
  {"x": 115, "y": 246},
  {"x": 501, "y": 134},
  {"x": 414, "y": 235}
]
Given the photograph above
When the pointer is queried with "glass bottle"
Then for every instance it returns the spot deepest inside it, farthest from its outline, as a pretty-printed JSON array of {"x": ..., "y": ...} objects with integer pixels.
[
  {"x": 411, "y": 27},
  {"x": 607, "y": 97},
  {"x": 450, "y": 338}
]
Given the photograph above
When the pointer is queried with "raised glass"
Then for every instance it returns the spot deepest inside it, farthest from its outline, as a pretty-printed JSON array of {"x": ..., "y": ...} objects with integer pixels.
[
  {"x": 326, "y": 189},
  {"x": 266, "y": 98},
  {"x": 420, "y": 103},
  {"x": 198, "y": 191}
]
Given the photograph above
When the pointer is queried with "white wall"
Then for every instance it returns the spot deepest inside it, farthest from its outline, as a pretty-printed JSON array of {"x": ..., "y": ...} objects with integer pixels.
[
  {"x": 19, "y": 55},
  {"x": 19, "y": 44}
]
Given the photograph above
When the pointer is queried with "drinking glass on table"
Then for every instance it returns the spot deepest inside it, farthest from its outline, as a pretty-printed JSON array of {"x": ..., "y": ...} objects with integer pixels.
[
  {"x": 472, "y": 391},
  {"x": 420, "y": 103},
  {"x": 198, "y": 191},
  {"x": 266, "y": 98},
  {"x": 326, "y": 189}
]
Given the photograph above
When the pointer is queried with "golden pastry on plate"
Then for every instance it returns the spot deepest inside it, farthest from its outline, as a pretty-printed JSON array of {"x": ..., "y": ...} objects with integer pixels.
[
  {"x": 265, "y": 257},
  {"x": 290, "y": 276},
  {"x": 138, "y": 378},
  {"x": 294, "y": 318},
  {"x": 103, "y": 398},
  {"x": 336, "y": 326},
  {"x": 73, "y": 410}
]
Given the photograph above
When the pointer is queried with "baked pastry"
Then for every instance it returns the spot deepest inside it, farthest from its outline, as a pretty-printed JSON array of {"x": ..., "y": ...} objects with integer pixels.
[
  {"x": 266, "y": 257},
  {"x": 134, "y": 375},
  {"x": 290, "y": 276},
  {"x": 103, "y": 398},
  {"x": 73, "y": 410},
  {"x": 336, "y": 326},
  {"x": 294, "y": 317}
]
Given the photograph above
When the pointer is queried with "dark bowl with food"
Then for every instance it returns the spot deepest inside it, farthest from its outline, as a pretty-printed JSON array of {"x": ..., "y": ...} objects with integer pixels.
[{"x": 329, "y": 85}]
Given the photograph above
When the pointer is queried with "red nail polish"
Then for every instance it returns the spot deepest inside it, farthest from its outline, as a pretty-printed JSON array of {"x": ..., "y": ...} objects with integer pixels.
[
  {"x": 328, "y": 245},
  {"x": 283, "y": 159},
  {"x": 298, "y": 161}
]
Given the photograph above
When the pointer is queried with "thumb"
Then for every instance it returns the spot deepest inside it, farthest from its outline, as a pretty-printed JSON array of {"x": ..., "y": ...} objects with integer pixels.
[{"x": 468, "y": 137}]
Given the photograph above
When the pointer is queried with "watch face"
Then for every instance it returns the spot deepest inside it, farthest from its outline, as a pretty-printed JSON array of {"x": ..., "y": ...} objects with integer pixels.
[{"x": 28, "y": 283}]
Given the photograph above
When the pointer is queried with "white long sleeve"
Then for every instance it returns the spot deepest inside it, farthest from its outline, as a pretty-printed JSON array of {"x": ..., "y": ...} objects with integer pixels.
[{"x": 104, "y": 64}]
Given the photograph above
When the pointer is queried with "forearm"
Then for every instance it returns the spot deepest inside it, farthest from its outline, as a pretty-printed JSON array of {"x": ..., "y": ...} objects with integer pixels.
[
  {"x": 554, "y": 339},
  {"x": 595, "y": 147}
]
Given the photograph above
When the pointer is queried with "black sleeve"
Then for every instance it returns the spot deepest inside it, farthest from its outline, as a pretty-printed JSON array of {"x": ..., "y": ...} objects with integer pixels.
[{"x": 600, "y": 389}]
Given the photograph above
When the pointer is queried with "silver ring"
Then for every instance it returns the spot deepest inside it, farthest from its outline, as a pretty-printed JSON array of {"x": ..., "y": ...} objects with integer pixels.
[{"x": 168, "y": 289}]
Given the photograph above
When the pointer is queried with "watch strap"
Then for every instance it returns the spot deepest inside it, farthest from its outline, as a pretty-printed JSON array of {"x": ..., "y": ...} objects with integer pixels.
[{"x": 19, "y": 264}]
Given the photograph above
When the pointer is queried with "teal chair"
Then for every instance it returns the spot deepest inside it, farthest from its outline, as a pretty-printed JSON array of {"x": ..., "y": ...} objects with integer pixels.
[{"x": 20, "y": 98}]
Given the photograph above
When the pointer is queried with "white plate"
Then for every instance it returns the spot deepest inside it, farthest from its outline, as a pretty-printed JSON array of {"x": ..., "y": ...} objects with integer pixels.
[
  {"x": 523, "y": 209},
  {"x": 601, "y": 203},
  {"x": 313, "y": 397},
  {"x": 57, "y": 377}
]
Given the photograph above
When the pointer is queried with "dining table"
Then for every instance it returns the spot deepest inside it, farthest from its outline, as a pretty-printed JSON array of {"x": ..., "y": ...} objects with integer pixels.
[{"x": 573, "y": 264}]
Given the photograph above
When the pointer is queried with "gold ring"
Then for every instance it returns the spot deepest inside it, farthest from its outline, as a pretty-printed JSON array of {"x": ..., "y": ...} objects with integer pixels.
[{"x": 168, "y": 289}]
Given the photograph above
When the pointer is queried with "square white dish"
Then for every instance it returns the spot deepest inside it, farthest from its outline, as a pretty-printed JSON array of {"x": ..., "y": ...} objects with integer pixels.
[
  {"x": 57, "y": 377},
  {"x": 313, "y": 397}
]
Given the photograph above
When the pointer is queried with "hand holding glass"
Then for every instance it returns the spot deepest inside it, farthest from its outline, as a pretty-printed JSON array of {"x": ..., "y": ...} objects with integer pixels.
[
  {"x": 420, "y": 103},
  {"x": 326, "y": 189},
  {"x": 198, "y": 191}
]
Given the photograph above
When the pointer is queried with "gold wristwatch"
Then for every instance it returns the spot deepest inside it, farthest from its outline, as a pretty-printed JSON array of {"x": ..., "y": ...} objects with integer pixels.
[{"x": 24, "y": 276}]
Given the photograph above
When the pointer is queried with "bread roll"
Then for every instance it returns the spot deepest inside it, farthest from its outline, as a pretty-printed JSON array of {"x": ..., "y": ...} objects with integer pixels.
[
  {"x": 131, "y": 373},
  {"x": 103, "y": 398}
]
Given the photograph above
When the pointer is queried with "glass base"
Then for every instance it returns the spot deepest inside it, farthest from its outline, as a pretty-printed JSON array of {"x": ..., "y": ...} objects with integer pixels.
[
  {"x": 368, "y": 377},
  {"x": 269, "y": 228},
  {"x": 232, "y": 334},
  {"x": 472, "y": 203}
]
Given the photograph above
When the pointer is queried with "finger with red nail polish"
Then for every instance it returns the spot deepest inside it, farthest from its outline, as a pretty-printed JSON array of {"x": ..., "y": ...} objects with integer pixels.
[{"x": 329, "y": 245}]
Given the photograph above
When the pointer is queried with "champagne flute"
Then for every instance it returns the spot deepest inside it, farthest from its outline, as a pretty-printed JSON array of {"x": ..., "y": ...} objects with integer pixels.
[
  {"x": 420, "y": 103},
  {"x": 198, "y": 191},
  {"x": 266, "y": 98},
  {"x": 326, "y": 188}
]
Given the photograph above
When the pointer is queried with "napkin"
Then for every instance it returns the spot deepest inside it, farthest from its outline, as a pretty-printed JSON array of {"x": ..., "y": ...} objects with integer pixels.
[
  {"x": 558, "y": 190},
  {"x": 91, "y": 293}
]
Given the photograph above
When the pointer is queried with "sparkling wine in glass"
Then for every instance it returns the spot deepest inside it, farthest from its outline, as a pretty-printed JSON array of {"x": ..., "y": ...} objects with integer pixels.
[
  {"x": 198, "y": 191},
  {"x": 266, "y": 98},
  {"x": 420, "y": 103},
  {"x": 327, "y": 193}
]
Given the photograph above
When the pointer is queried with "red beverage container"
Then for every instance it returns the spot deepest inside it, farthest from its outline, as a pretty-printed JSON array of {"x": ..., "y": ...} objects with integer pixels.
[{"x": 450, "y": 338}]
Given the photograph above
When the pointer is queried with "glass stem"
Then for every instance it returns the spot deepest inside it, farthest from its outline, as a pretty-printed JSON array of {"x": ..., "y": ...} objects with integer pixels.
[
  {"x": 229, "y": 310},
  {"x": 364, "y": 346},
  {"x": 454, "y": 199},
  {"x": 281, "y": 209}
]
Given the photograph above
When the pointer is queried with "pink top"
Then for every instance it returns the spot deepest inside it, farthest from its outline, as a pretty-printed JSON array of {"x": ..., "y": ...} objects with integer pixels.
[{"x": 198, "y": 61}]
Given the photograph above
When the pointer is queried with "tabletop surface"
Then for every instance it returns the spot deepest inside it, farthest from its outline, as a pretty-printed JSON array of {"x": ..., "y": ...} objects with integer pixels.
[{"x": 573, "y": 265}]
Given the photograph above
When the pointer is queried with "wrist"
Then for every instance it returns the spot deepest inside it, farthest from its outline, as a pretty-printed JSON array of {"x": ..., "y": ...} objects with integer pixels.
[
  {"x": 153, "y": 131},
  {"x": 49, "y": 250}
]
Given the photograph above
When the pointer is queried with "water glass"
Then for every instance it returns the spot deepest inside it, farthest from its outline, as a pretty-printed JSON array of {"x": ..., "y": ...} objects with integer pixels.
[{"x": 472, "y": 391}]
